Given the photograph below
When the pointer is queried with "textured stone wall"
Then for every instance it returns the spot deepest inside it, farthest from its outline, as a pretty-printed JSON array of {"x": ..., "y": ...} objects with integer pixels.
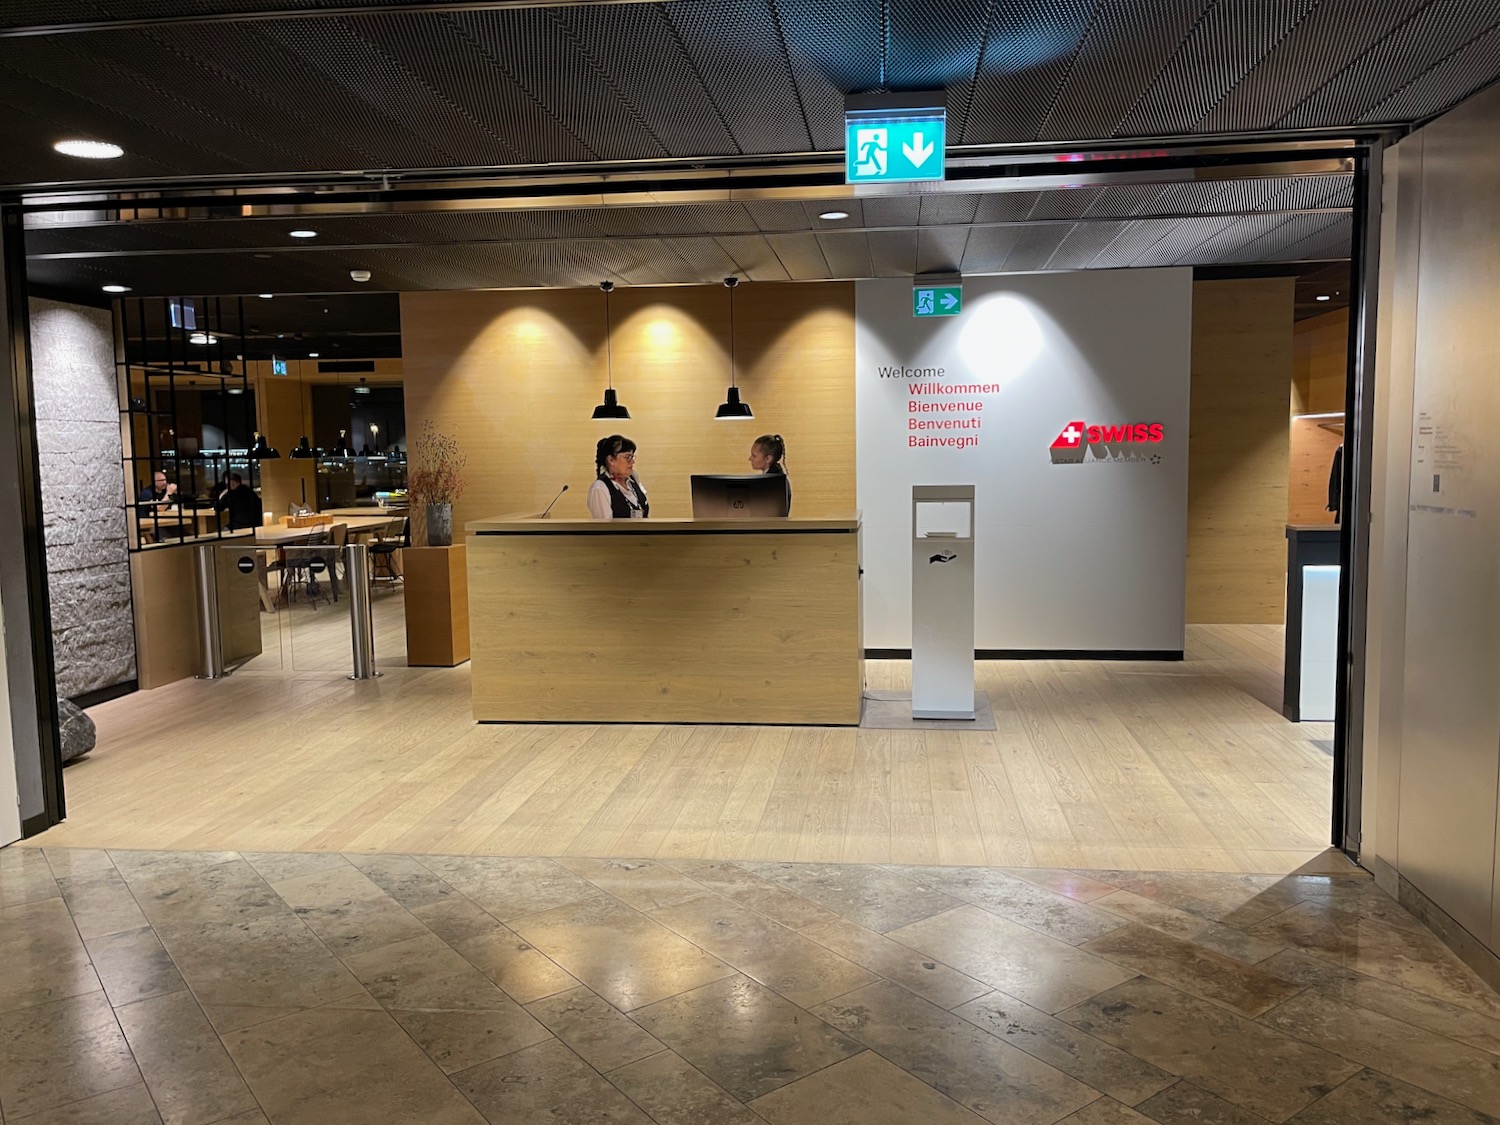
[{"x": 83, "y": 493}]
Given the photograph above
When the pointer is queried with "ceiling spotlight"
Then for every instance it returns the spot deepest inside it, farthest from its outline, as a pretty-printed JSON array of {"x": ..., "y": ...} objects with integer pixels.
[
  {"x": 312, "y": 355},
  {"x": 303, "y": 233},
  {"x": 834, "y": 215},
  {"x": 202, "y": 338},
  {"x": 267, "y": 296},
  {"x": 89, "y": 150},
  {"x": 117, "y": 289},
  {"x": 1324, "y": 297},
  {"x": 357, "y": 275}
]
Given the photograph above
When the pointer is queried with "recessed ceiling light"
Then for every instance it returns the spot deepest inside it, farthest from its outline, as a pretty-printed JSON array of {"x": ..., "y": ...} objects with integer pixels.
[
  {"x": 202, "y": 338},
  {"x": 304, "y": 234},
  {"x": 117, "y": 289},
  {"x": 1324, "y": 297},
  {"x": 89, "y": 150},
  {"x": 267, "y": 296},
  {"x": 312, "y": 355},
  {"x": 834, "y": 215}
]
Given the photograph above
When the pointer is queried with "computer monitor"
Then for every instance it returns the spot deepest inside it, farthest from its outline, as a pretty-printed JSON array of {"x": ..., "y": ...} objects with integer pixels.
[{"x": 740, "y": 497}]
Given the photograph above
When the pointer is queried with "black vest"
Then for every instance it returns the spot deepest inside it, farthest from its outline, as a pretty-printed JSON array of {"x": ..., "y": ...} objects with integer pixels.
[{"x": 619, "y": 505}]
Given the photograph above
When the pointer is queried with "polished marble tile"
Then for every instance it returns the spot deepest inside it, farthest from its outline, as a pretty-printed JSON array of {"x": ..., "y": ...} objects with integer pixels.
[
  {"x": 60, "y": 1052},
  {"x": 522, "y": 971},
  {"x": 1247, "y": 1063},
  {"x": 182, "y": 1060},
  {"x": 733, "y": 881},
  {"x": 273, "y": 962},
  {"x": 745, "y": 1037},
  {"x": 599, "y": 1033},
  {"x": 1236, "y": 900},
  {"x": 407, "y": 880},
  {"x": 457, "y": 1040},
  {"x": 1186, "y": 1104},
  {"x": 1043, "y": 971},
  {"x": 546, "y": 1083},
  {"x": 511, "y": 888},
  {"x": 798, "y": 968},
  {"x": 129, "y": 1105},
  {"x": 456, "y": 919},
  {"x": 77, "y": 861},
  {"x": 979, "y": 1070},
  {"x": 1455, "y": 1022},
  {"x": 425, "y": 972},
  {"x": 625, "y": 956},
  {"x": 913, "y": 971},
  {"x": 330, "y": 1064},
  {"x": 249, "y": 1117},
  {"x": 347, "y": 911},
  {"x": 1433, "y": 1062},
  {"x": 43, "y": 957},
  {"x": 1189, "y": 927},
  {"x": 25, "y": 876},
  {"x": 1032, "y": 906},
  {"x": 1106, "y": 1111},
  {"x": 877, "y": 898},
  {"x": 1074, "y": 884},
  {"x": 1092, "y": 1061},
  {"x": 674, "y": 1092},
  {"x": 1415, "y": 960},
  {"x": 134, "y": 966},
  {"x": 863, "y": 1090},
  {"x": 100, "y": 903},
  {"x": 1377, "y": 1099},
  {"x": 642, "y": 883},
  {"x": 228, "y": 891},
  {"x": 1192, "y": 969},
  {"x": 275, "y": 867}
]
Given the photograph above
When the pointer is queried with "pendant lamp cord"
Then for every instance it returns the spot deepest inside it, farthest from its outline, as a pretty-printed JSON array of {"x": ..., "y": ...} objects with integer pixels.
[
  {"x": 609, "y": 351},
  {"x": 731, "y": 335}
]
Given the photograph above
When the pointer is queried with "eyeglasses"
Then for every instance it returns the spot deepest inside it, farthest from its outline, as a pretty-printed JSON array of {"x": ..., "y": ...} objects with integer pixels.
[{"x": 626, "y": 457}]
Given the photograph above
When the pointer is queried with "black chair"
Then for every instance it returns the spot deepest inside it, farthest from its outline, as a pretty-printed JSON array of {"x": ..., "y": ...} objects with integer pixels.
[
  {"x": 298, "y": 570},
  {"x": 384, "y": 565}
]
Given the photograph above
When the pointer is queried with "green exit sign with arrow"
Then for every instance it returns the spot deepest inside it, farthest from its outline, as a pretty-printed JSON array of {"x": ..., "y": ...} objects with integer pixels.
[
  {"x": 937, "y": 300},
  {"x": 894, "y": 138}
]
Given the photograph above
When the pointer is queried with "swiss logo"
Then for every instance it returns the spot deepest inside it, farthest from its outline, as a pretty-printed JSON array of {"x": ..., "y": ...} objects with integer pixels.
[{"x": 1079, "y": 442}]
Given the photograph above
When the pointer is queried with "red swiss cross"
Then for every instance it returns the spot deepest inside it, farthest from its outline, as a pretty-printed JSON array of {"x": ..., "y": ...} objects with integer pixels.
[{"x": 1071, "y": 437}]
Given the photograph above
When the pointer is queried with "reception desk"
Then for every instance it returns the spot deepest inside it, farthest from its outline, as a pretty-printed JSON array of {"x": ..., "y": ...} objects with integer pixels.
[{"x": 666, "y": 621}]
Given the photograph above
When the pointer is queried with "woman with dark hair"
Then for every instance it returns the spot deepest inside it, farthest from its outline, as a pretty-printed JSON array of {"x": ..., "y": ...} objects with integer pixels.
[
  {"x": 768, "y": 455},
  {"x": 617, "y": 494}
]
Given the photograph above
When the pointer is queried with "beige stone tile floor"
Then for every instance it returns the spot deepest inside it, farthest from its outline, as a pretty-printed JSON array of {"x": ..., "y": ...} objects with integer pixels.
[{"x": 192, "y": 988}]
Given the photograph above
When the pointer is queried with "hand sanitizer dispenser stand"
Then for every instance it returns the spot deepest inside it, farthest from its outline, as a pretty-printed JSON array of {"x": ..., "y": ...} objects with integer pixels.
[{"x": 942, "y": 601}]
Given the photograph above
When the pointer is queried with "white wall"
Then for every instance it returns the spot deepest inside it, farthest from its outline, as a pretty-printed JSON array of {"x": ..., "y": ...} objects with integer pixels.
[{"x": 1075, "y": 550}]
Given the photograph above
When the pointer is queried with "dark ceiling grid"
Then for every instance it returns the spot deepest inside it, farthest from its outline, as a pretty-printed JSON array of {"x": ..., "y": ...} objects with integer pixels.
[
  {"x": 1222, "y": 48},
  {"x": 941, "y": 249},
  {"x": 1071, "y": 204},
  {"x": 702, "y": 258},
  {"x": 801, "y": 255},
  {"x": 1430, "y": 33},
  {"x": 936, "y": 46},
  {"x": 1153, "y": 242},
  {"x": 1006, "y": 206},
  {"x": 847, "y": 253},
  {"x": 1301, "y": 193},
  {"x": 771, "y": 215},
  {"x": 1082, "y": 244},
  {"x": 1303, "y": 238},
  {"x": 1129, "y": 42},
  {"x": 945, "y": 209},
  {"x": 754, "y": 256},
  {"x": 986, "y": 248},
  {"x": 1024, "y": 63},
  {"x": 893, "y": 253},
  {"x": 1473, "y": 65},
  {"x": 1033, "y": 246},
  {"x": 1224, "y": 244},
  {"x": 737, "y": 50},
  {"x": 831, "y": 52}
]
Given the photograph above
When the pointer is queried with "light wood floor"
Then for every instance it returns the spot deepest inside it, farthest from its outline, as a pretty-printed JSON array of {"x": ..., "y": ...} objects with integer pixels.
[{"x": 1100, "y": 765}]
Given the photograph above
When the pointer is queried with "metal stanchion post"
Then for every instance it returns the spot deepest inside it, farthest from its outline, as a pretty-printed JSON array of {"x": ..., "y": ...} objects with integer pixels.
[
  {"x": 361, "y": 617},
  {"x": 210, "y": 651}
]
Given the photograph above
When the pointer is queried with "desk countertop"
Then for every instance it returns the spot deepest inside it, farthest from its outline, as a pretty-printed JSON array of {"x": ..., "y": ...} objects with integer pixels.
[{"x": 522, "y": 525}]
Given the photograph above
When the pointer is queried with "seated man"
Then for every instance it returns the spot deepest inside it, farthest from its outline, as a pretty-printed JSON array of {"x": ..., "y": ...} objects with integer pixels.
[
  {"x": 159, "y": 494},
  {"x": 241, "y": 502}
]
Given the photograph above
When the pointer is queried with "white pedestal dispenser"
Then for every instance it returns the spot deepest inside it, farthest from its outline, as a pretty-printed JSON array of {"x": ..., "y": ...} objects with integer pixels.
[{"x": 942, "y": 601}]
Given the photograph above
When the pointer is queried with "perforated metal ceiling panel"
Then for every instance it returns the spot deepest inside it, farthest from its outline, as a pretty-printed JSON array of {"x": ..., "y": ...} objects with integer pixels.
[{"x": 579, "y": 83}]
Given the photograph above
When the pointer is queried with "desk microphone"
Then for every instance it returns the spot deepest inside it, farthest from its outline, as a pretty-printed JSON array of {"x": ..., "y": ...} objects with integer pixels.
[{"x": 555, "y": 499}]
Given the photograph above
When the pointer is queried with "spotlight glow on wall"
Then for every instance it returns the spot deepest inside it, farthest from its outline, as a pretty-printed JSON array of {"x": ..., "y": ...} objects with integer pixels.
[{"x": 1001, "y": 336}]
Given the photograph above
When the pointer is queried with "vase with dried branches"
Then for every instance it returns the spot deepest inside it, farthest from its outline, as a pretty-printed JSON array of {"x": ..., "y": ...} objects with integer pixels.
[{"x": 436, "y": 480}]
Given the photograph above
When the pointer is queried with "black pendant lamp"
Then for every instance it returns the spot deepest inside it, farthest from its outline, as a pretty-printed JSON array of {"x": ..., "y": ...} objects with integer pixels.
[
  {"x": 262, "y": 450},
  {"x": 732, "y": 409},
  {"x": 611, "y": 407}
]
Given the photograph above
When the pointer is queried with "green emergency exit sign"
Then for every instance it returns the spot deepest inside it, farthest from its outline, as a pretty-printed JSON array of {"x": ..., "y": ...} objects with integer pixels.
[
  {"x": 894, "y": 144},
  {"x": 937, "y": 300}
]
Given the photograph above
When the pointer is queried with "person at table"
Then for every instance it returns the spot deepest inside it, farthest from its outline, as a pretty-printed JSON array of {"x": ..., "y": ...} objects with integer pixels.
[
  {"x": 240, "y": 502},
  {"x": 768, "y": 455},
  {"x": 617, "y": 493},
  {"x": 159, "y": 494}
]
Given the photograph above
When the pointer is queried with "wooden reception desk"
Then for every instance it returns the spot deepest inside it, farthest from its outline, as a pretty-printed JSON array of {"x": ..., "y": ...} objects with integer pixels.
[{"x": 666, "y": 621}]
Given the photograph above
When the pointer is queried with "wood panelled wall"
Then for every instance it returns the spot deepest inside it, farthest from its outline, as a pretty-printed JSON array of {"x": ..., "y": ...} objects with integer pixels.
[
  {"x": 515, "y": 374},
  {"x": 1238, "y": 450},
  {"x": 283, "y": 403},
  {"x": 1320, "y": 369}
]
